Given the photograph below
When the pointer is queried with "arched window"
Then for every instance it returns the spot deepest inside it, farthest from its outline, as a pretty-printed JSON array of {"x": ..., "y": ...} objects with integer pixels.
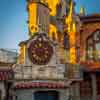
[
  {"x": 46, "y": 95},
  {"x": 93, "y": 46}
]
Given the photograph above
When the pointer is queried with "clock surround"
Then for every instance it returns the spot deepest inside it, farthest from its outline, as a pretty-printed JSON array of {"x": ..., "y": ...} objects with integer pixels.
[{"x": 40, "y": 50}]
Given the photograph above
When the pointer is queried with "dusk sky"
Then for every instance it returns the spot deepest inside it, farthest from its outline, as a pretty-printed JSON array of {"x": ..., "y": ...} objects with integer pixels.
[{"x": 13, "y": 17}]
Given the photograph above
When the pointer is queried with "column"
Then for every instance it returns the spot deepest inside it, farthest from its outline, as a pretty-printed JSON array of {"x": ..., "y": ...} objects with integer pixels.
[
  {"x": 94, "y": 88},
  {"x": 75, "y": 91}
]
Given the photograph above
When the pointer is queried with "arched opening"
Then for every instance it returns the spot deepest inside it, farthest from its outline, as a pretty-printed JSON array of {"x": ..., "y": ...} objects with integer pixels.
[
  {"x": 93, "y": 46},
  {"x": 46, "y": 95}
]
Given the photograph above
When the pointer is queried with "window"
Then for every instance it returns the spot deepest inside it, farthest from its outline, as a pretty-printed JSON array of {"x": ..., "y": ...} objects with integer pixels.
[
  {"x": 93, "y": 46},
  {"x": 97, "y": 36},
  {"x": 46, "y": 95}
]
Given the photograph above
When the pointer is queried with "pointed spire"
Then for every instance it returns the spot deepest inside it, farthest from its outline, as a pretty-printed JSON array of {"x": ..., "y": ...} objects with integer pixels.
[
  {"x": 71, "y": 9},
  {"x": 82, "y": 11},
  {"x": 69, "y": 19},
  {"x": 70, "y": 12}
]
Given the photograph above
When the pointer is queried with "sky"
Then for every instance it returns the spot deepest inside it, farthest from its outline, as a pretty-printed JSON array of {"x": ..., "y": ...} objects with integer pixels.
[{"x": 13, "y": 18}]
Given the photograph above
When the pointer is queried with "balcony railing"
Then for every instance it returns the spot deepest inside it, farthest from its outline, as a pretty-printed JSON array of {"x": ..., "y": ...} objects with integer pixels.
[{"x": 60, "y": 72}]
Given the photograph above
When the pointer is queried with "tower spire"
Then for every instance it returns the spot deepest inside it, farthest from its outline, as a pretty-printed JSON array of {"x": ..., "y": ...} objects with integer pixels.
[
  {"x": 69, "y": 19},
  {"x": 72, "y": 33},
  {"x": 82, "y": 11},
  {"x": 71, "y": 10}
]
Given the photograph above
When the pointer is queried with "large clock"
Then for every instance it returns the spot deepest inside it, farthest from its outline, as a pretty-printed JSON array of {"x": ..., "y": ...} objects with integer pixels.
[{"x": 40, "y": 51}]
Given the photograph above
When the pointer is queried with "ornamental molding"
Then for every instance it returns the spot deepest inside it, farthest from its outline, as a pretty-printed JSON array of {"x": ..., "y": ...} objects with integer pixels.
[
  {"x": 40, "y": 50},
  {"x": 89, "y": 28}
]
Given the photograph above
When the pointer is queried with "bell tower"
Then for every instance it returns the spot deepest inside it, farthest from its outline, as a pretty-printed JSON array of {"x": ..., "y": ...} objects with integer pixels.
[
  {"x": 39, "y": 51},
  {"x": 42, "y": 63},
  {"x": 38, "y": 17}
]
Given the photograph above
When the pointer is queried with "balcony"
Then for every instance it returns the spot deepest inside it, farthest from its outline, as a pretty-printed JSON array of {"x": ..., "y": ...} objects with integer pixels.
[{"x": 60, "y": 72}]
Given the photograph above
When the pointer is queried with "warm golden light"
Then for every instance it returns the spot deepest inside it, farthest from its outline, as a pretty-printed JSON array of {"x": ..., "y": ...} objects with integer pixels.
[
  {"x": 32, "y": 18},
  {"x": 52, "y": 5},
  {"x": 22, "y": 50},
  {"x": 69, "y": 19},
  {"x": 52, "y": 31},
  {"x": 72, "y": 34},
  {"x": 73, "y": 44}
]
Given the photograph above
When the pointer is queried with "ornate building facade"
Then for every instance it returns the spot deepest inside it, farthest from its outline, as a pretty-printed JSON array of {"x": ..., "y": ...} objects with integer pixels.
[
  {"x": 90, "y": 56},
  {"x": 47, "y": 64},
  {"x": 59, "y": 43}
]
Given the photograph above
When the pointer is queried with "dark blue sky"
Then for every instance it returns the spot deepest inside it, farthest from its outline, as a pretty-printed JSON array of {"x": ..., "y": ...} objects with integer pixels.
[{"x": 13, "y": 17}]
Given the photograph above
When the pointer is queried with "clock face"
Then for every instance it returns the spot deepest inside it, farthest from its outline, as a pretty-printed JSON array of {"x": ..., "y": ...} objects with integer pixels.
[{"x": 40, "y": 51}]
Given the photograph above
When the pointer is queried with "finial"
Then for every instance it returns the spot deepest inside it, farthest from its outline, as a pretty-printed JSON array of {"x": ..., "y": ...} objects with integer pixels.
[
  {"x": 71, "y": 9},
  {"x": 82, "y": 11}
]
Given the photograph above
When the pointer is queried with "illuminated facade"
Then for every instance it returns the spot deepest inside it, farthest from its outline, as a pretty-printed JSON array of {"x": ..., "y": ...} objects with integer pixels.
[
  {"x": 47, "y": 60},
  {"x": 59, "y": 43},
  {"x": 41, "y": 20},
  {"x": 38, "y": 17},
  {"x": 90, "y": 56}
]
